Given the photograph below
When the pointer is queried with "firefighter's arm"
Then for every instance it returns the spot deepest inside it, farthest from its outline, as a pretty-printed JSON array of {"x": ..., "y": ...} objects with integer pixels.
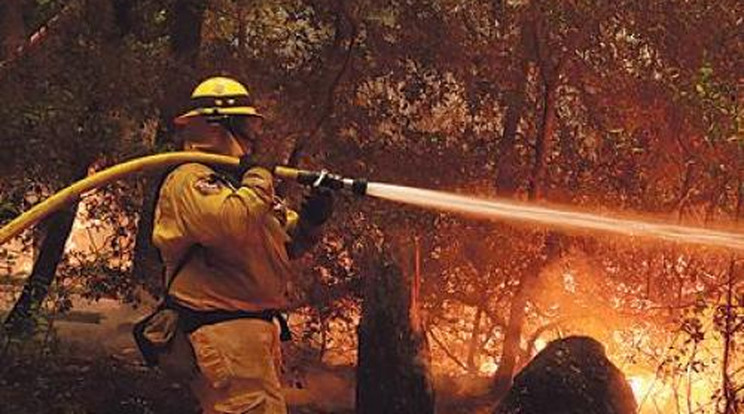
[{"x": 211, "y": 212}]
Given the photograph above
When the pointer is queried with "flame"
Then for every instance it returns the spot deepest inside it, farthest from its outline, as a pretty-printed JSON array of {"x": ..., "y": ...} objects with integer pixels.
[
  {"x": 652, "y": 393},
  {"x": 641, "y": 385},
  {"x": 540, "y": 344},
  {"x": 488, "y": 368}
]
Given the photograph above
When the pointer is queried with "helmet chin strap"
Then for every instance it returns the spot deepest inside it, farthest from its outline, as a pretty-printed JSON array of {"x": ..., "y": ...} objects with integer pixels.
[{"x": 241, "y": 144}]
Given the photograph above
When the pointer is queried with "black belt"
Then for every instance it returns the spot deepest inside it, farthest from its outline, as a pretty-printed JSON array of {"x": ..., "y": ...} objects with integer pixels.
[{"x": 190, "y": 320}]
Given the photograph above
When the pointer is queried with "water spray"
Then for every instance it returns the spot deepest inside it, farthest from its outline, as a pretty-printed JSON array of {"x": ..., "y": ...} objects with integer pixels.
[
  {"x": 493, "y": 209},
  {"x": 555, "y": 217}
]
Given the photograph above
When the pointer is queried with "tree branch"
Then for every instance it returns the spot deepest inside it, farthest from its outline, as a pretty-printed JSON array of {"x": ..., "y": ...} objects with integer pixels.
[
  {"x": 304, "y": 141},
  {"x": 446, "y": 350},
  {"x": 39, "y": 37}
]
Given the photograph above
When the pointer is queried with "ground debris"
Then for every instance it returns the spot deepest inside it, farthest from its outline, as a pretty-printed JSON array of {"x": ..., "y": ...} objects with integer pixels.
[{"x": 68, "y": 384}]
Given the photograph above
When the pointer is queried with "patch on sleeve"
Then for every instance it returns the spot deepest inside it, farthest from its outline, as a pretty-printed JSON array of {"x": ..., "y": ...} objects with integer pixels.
[
  {"x": 208, "y": 185},
  {"x": 280, "y": 210}
]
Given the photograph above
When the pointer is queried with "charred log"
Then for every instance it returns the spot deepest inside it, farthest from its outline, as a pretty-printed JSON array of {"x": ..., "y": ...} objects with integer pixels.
[{"x": 570, "y": 376}]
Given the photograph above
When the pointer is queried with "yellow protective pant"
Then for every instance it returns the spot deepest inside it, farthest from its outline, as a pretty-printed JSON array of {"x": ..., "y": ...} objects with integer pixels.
[{"x": 238, "y": 363}]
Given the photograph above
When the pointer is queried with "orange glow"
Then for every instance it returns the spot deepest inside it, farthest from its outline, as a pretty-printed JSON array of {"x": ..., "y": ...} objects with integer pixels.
[
  {"x": 488, "y": 368},
  {"x": 641, "y": 385},
  {"x": 540, "y": 344}
]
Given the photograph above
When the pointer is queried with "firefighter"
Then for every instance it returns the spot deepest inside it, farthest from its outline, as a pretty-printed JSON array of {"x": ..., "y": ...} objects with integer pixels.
[{"x": 226, "y": 239}]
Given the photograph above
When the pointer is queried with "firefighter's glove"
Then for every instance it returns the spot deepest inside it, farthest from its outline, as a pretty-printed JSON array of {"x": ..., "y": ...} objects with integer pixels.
[{"x": 318, "y": 206}]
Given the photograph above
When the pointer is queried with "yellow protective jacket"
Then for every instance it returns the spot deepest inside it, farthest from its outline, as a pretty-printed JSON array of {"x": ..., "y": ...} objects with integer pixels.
[{"x": 240, "y": 262}]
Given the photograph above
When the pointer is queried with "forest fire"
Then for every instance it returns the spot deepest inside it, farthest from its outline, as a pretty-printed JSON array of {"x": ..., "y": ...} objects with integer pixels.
[
  {"x": 661, "y": 386},
  {"x": 641, "y": 385},
  {"x": 656, "y": 396}
]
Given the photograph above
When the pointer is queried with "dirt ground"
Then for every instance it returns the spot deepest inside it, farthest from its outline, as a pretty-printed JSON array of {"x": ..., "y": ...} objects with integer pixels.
[
  {"x": 96, "y": 369},
  {"x": 94, "y": 384}
]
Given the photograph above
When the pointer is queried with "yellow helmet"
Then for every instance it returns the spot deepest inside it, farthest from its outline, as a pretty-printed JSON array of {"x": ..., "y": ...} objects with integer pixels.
[{"x": 221, "y": 96}]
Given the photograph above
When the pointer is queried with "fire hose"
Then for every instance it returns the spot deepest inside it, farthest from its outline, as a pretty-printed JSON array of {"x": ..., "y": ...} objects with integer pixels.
[
  {"x": 73, "y": 193},
  {"x": 559, "y": 217}
]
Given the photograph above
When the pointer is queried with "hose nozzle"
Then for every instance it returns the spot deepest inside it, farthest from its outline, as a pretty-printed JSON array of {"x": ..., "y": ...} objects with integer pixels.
[{"x": 323, "y": 179}]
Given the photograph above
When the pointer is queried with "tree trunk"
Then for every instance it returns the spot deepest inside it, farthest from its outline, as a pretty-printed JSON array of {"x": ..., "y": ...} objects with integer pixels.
[
  {"x": 393, "y": 374},
  {"x": 185, "y": 40},
  {"x": 550, "y": 74},
  {"x": 474, "y": 345},
  {"x": 21, "y": 320},
  {"x": 506, "y": 176},
  {"x": 550, "y": 250},
  {"x": 185, "y": 29},
  {"x": 542, "y": 146},
  {"x": 727, "y": 388},
  {"x": 510, "y": 348},
  {"x": 124, "y": 16},
  {"x": 12, "y": 28}
]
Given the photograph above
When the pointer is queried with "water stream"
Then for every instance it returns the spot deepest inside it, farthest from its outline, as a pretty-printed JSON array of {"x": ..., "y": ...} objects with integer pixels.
[{"x": 561, "y": 218}]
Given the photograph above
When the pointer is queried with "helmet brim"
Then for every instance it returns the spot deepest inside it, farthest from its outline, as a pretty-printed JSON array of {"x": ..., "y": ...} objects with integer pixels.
[{"x": 216, "y": 111}]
